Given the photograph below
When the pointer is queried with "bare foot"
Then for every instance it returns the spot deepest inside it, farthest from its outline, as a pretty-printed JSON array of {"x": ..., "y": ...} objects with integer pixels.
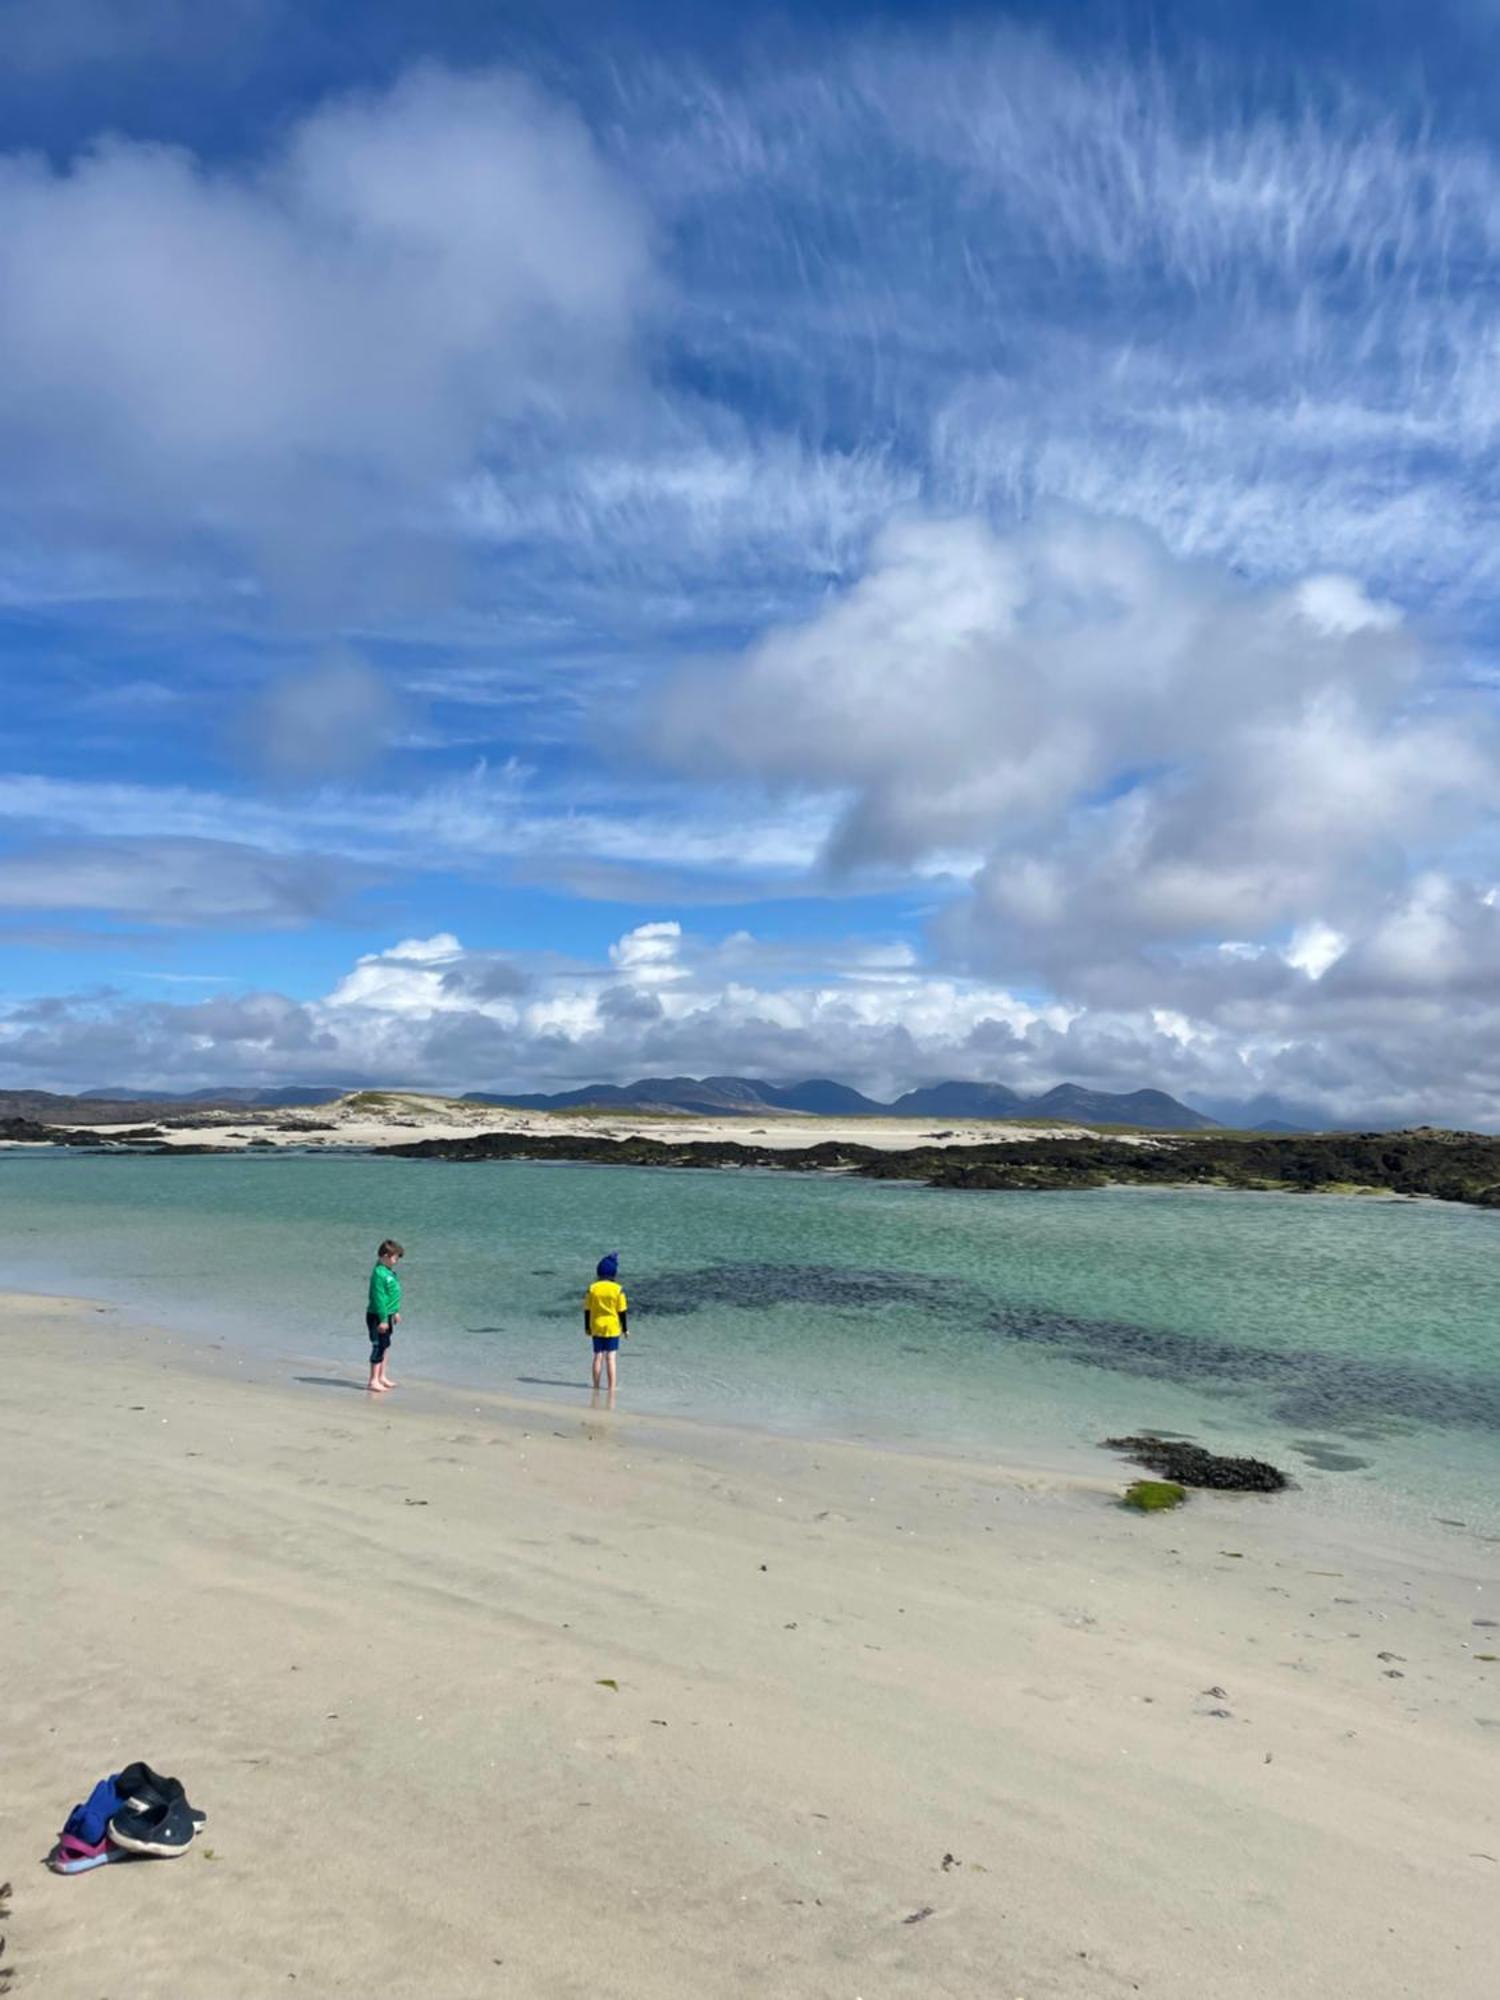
[
  {"x": 387, "y": 1385},
  {"x": 376, "y": 1388}
]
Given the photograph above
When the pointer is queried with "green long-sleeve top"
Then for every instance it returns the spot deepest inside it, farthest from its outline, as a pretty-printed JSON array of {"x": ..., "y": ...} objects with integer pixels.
[{"x": 385, "y": 1292}]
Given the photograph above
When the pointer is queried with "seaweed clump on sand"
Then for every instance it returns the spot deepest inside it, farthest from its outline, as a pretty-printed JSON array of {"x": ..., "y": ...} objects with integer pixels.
[
  {"x": 1191, "y": 1465},
  {"x": 1153, "y": 1496}
]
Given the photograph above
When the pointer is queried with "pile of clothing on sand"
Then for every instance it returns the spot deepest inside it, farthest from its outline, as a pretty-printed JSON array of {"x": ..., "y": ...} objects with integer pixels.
[{"x": 131, "y": 1816}]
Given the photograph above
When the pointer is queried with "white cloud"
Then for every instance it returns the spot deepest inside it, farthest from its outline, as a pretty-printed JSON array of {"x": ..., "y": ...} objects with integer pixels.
[
  {"x": 409, "y": 979},
  {"x": 691, "y": 494},
  {"x": 476, "y": 820},
  {"x": 1366, "y": 1042},
  {"x": 1143, "y": 752},
  {"x": 1339, "y": 606},
  {"x": 1251, "y": 318},
  {"x": 327, "y": 720},
  {"x": 649, "y": 953},
  {"x": 1205, "y": 815},
  {"x": 1315, "y": 947},
  {"x": 330, "y": 332},
  {"x": 426, "y": 1010},
  {"x": 965, "y": 270},
  {"x": 176, "y": 881}
]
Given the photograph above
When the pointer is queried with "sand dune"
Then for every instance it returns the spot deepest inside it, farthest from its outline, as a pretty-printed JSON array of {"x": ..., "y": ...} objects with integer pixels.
[{"x": 393, "y": 1118}]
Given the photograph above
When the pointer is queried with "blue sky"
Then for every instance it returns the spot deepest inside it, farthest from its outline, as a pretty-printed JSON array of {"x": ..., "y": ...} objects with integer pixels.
[{"x": 890, "y": 541}]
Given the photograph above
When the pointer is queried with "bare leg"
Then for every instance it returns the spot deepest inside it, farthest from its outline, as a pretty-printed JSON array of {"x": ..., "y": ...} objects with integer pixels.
[
  {"x": 611, "y": 1360},
  {"x": 598, "y": 1368}
]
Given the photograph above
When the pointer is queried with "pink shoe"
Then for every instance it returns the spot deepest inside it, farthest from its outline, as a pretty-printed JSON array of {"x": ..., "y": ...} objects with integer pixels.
[{"x": 73, "y": 1856}]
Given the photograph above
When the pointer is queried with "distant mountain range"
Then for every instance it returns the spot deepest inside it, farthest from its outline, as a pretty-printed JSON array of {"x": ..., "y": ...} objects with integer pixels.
[
  {"x": 711, "y": 1097},
  {"x": 744, "y": 1096}
]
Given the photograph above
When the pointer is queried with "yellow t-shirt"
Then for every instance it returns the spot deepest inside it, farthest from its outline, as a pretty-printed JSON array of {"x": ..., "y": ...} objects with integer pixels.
[{"x": 604, "y": 1302}]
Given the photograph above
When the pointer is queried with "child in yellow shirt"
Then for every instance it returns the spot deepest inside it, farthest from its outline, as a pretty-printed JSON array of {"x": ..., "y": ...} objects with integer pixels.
[{"x": 605, "y": 1318}]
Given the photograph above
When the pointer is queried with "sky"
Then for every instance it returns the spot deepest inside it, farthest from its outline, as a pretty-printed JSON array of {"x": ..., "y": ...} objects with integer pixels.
[{"x": 546, "y": 545}]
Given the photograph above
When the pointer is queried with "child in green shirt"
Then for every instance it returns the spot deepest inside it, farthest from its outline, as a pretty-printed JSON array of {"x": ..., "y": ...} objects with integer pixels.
[{"x": 383, "y": 1311}]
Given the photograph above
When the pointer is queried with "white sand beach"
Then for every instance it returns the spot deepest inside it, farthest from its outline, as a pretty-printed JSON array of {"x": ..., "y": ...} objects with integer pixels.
[
  {"x": 488, "y": 1699},
  {"x": 397, "y": 1118}
]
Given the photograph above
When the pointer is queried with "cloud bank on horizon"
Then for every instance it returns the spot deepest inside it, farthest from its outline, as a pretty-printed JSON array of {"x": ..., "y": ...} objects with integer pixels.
[{"x": 958, "y": 552}]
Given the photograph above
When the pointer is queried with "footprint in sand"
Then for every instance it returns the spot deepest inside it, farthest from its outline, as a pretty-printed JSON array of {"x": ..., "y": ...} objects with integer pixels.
[{"x": 608, "y": 1747}]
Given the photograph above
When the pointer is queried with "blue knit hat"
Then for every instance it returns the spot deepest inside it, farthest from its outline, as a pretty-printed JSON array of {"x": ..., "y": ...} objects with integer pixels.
[{"x": 608, "y": 1266}]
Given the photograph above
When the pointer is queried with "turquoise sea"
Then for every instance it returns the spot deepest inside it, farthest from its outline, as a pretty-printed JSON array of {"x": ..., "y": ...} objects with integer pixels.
[{"x": 1355, "y": 1341}]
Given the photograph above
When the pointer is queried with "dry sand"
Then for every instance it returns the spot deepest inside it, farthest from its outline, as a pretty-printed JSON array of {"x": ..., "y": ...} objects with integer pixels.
[
  {"x": 398, "y": 1118},
  {"x": 880, "y": 1726}
]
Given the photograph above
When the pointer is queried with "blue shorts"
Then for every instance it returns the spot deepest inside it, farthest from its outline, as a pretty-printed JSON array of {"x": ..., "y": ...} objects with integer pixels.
[{"x": 606, "y": 1343}]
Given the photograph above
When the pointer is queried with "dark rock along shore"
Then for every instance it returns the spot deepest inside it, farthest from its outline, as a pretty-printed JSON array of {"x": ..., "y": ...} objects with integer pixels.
[
  {"x": 1443, "y": 1166},
  {"x": 1446, "y": 1166}
]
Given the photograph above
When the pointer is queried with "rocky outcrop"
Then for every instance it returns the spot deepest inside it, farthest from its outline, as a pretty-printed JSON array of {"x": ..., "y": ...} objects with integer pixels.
[
  {"x": 1448, "y": 1166},
  {"x": 27, "y": 1132}
]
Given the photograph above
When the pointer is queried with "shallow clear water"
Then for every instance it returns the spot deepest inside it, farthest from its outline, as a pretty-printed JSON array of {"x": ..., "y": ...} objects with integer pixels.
[{"x": 1356, "y": 1341}]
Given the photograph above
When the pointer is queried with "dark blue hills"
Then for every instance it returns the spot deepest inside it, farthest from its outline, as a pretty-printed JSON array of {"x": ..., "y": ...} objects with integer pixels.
[{"x": 743, "y": 1096}]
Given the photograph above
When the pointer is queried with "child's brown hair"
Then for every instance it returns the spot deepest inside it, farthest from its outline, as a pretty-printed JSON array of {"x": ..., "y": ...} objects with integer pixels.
[{"x": 390, "y": 1247}]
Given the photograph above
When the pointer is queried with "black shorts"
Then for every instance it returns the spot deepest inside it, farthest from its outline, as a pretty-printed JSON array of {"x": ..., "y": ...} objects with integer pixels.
[{"x": 379, "y": 1341}]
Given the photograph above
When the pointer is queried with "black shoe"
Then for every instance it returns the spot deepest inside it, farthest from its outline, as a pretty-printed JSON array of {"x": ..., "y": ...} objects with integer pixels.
[
  {"x": 141, "y": 1789},
  {"x": 164, "y": 1829}
]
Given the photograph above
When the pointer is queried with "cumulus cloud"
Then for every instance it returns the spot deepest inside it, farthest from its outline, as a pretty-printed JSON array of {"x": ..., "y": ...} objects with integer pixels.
[
  {"x": 1139, "y": 754},
  {"x": 329, "y": 333},
  {"x": 428, "y": 1012}
]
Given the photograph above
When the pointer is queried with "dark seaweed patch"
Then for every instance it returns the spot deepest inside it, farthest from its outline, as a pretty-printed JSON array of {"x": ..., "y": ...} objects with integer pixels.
[
  {"x": 835, "y": 1288},
  {"x": 1190, "y": 1465},
  {"x": 1308, "y": 1390}
]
